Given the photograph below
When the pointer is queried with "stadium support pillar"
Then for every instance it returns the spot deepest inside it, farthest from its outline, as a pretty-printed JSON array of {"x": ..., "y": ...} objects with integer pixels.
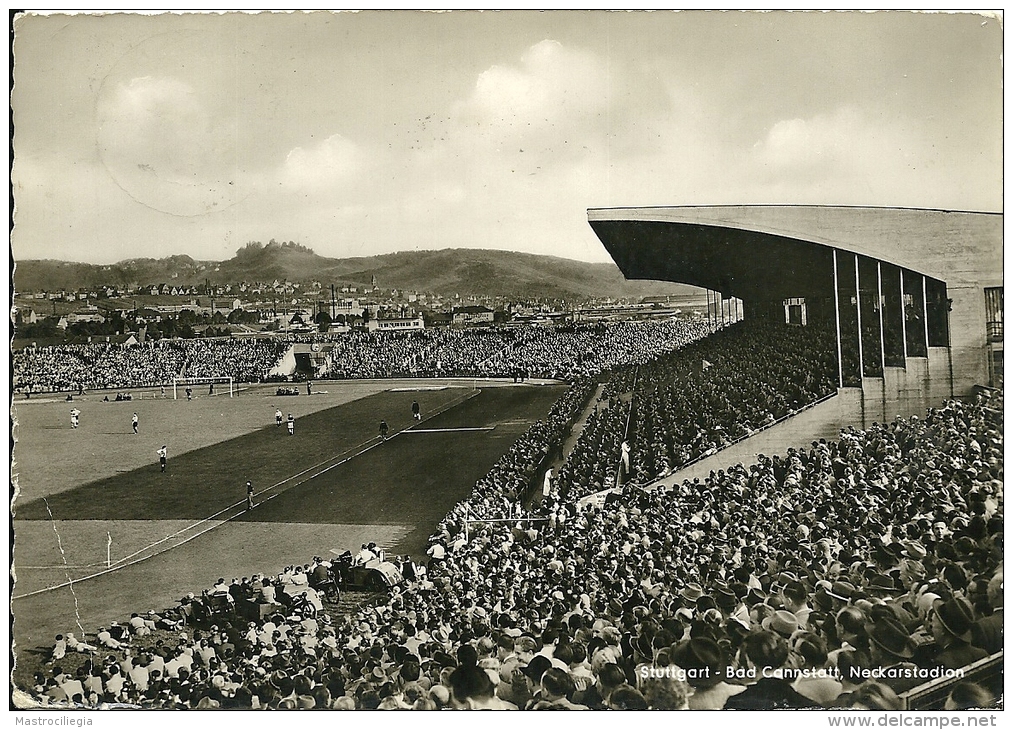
[
  {"x": 925, "y": 311},
  {"x": 882, "y": 331},
  {"x": 837, "y": 321}
]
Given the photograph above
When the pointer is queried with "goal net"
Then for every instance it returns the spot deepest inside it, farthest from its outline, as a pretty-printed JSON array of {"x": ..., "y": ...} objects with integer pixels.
[{"x": 202, "y": 386}]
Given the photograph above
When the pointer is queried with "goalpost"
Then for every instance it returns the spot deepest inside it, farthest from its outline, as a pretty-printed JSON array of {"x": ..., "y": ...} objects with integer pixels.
[{"x": 209, "y": 382}]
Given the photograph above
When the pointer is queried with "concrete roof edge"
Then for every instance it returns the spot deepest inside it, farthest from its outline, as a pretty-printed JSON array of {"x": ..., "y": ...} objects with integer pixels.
[{"x": 792, "y": 205}]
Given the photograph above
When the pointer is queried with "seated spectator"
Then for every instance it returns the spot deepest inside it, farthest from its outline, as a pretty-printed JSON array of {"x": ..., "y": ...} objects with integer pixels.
[
  {"x": 987, "y": 632},
  {"x": 764, "y": 652},
  {"x": 892, "y": 649},
  {"x": 664, "y": 693},
  {"x": 556, "y": 691},
  {"x": 704, "y": 662},
  {"x": 969, "y": 696},
  {"x": 59, "y": 650},
  {"x": 138, "y": 626},
  {"x": 816, "y": 682},
  {"x": 875, "y": 696},
  {"x": 952, "y": 622},
  {"x": 365, "y": 555},
  {"x": 623, "y": 698}
]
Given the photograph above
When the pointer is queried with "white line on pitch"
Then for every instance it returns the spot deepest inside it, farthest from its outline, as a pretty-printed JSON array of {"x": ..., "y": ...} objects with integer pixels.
[
  {"x": 445, "y": 430},
  {"x": 129, "y": 560}
]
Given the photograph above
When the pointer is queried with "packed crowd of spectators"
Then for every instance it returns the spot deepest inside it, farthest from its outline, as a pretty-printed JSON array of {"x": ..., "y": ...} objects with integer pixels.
[
  {"x": 595, "y": 460},
  {"x": 566, "y": 352},
  {"x": 103, "y": 365},
  {"x": 245, "y": 360},
  {"x": 68, "y": 367},
  {"x": 836, "y": 576},
  {"x": 693, "y": 402},
  {"x": 422, "y": 353},
  {"x": 574, "y": 351},
  {"x": 721, "y": 389}
]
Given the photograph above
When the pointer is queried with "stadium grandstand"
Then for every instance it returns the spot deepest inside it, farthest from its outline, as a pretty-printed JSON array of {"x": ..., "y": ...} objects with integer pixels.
[
  {"x": 632, "y": 549},
  {"x": 914, "y": 297}
]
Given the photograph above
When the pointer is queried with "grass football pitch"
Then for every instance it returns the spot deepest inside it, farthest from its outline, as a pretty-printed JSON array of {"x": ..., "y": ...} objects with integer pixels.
[{"x": 333, "y": 485}]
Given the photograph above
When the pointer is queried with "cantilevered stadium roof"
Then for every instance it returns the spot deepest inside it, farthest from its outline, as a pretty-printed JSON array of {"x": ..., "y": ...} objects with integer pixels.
[{"x": 774, "y": 251}]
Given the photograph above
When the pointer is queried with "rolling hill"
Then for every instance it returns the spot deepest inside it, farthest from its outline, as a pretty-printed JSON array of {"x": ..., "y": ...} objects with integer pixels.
[{"x": 449, "y": 271}]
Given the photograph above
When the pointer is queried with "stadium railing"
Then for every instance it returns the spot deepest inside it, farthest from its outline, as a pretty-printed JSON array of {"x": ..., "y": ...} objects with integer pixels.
[{"x": 987, "y": 672}]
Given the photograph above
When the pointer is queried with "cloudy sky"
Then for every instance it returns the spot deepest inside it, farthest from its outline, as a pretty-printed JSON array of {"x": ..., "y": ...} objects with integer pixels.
[{"x": 358, "y": 134}]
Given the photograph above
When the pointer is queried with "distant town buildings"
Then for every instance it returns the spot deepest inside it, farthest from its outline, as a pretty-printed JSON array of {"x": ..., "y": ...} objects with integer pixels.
[
  {"x": 472, "y": 315},
  {"x": 396, "y": 324},
  {"x": 251, "y": 308}
]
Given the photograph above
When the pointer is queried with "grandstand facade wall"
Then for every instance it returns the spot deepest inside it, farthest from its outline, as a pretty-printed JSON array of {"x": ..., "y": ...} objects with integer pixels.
[
  {"x": 904, "y": 289},
  {"x": 286, "y": 364}
]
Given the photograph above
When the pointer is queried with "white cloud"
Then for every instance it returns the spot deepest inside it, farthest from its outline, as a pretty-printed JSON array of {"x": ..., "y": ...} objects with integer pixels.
[
  {"x": 847, "y": 156},
  {"x": 842, "y": 138},
  {"x": 551, "y": 84},
  {"x": 513, "y": 161},
  {"x": 334, "y": 160}
]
